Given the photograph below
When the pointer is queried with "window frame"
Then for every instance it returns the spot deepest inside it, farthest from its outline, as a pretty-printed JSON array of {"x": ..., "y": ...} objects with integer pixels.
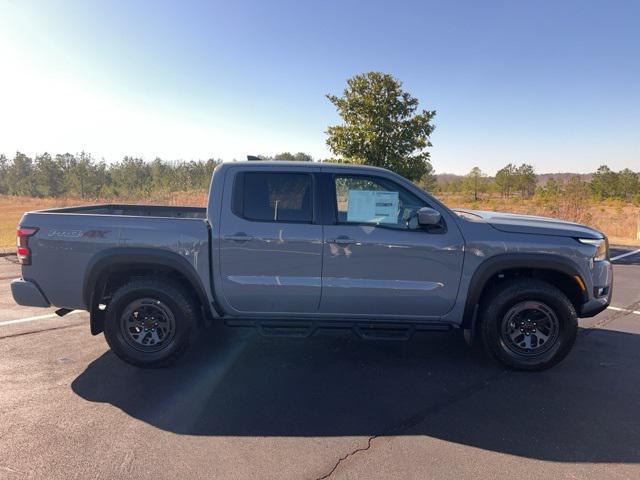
[
  {"x": 237, "y": 196},
  {"x": 378, "y": 180}
]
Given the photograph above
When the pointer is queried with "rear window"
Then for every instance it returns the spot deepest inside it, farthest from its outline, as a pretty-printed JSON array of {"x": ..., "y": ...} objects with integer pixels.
[{"x": 274, "y": 197}]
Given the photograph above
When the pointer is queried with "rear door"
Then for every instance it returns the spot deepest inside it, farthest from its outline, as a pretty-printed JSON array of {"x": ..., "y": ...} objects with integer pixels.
[
  {"x": 270, "y": 241},
  {"x": 377, "y": 260}
]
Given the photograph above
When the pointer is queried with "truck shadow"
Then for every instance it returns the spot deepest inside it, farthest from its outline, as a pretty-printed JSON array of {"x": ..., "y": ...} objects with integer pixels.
[{"x": 237, "y": 384}]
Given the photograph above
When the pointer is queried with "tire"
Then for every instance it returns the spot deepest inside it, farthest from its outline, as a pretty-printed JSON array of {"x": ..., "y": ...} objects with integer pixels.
[
  {"x": 149, "y": 322},
  {"x": 528, "y": 325}
]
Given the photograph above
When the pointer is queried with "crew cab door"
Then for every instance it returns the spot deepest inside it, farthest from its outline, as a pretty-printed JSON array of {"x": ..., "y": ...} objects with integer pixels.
[
  {"x": 270, "y": 244},
  {"x": 378, "y": 261}
]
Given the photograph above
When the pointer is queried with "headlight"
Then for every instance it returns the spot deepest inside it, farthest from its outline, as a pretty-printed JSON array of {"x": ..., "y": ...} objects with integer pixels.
[{"x": 602, "y": 247}]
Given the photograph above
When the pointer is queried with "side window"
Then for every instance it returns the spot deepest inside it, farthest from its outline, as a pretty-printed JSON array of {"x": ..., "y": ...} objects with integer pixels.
[
  {"x": 375, "y": 201},
  {"x": 274, "y": 197}
]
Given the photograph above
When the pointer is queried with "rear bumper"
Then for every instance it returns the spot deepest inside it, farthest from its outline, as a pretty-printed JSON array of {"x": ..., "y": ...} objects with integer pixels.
[{"x": 28, "y": 294}]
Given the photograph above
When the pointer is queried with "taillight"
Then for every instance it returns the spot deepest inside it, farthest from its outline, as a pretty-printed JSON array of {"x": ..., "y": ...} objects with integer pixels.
[{"x": 22, "y": 243}]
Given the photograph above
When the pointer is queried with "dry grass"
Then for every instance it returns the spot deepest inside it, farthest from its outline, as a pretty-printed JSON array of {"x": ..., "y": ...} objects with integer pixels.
[
  {"x": 617, "y": 219},
  {"x": 12, "y": 208}
]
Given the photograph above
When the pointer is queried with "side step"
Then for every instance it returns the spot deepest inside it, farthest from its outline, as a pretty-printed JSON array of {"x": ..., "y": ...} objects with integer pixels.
[{"x": 365, "y": 330}]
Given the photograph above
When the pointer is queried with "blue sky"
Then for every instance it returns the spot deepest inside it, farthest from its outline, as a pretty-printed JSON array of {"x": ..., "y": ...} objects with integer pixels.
[{"x": 551, "y": 83}]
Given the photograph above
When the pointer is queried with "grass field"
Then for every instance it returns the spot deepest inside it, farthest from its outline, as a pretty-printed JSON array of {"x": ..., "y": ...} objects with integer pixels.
[
  {"x": 617, "y": 219},
  {"x": 12, "y": 208}
]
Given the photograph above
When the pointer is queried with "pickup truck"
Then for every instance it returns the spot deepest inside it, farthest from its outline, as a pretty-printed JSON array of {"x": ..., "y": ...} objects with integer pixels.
[{"x": 287, "y": 248}]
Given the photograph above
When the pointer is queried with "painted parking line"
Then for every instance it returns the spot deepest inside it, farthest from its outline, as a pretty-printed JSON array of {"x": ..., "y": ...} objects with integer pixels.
[
  {"x": 628, "y": 254},
  {"x": 618, "y": 309},
  {"x": 33, "y": 319}
]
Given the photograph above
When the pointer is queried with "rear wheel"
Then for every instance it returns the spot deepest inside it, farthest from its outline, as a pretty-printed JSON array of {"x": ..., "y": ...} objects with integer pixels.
[
  {"x": 149, "y": 322},
  {"x": 528, "y": 325}
]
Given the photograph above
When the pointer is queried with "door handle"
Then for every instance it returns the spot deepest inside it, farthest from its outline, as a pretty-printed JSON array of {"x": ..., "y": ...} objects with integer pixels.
[
  {"x": 238, "y": 237},
  {"x": 342, "y": 241}
]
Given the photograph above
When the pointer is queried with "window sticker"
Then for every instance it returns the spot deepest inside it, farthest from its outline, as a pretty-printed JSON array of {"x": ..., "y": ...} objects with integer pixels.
[{"x": 372, "y": 206}]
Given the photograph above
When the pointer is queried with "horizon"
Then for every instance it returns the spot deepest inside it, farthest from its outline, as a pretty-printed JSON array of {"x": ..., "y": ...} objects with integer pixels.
[{"x": 542, "y": 84}]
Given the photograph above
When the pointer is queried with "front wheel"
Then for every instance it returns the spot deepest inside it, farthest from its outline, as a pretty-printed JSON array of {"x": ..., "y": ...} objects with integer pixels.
[
  {"x": 529, "y": 325},
  {"x": 149, "y": 322}
]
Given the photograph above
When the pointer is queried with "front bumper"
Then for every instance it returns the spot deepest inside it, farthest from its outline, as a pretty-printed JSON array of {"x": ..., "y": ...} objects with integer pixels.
[
  {"x": 601, "y": 278},
  {"x": 28, "y": 294},
  {"x": 593, "y": 307}
]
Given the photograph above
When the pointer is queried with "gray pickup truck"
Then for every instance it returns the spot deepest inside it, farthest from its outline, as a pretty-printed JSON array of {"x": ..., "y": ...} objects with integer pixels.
[{"x": 288, "y": 248}]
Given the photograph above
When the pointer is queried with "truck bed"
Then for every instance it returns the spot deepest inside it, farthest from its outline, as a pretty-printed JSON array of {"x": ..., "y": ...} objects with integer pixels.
[
  {"x": 69, "y": 241},
  {"x": 162, "y": 211}
]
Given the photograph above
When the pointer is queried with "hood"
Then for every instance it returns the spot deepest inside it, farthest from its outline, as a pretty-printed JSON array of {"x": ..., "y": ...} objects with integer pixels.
[{"x": 513, "y": 223}]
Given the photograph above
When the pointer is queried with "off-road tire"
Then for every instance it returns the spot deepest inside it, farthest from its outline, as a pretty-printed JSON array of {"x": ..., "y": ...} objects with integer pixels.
[
  {"x": 173, "y": 299},
  {"x": 502, "y": 301}
]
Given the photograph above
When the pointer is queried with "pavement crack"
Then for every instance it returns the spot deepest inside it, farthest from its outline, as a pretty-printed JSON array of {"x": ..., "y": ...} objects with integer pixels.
[
  {"x": 345, "y": 457},
  {"x": 422, "y": 415}
]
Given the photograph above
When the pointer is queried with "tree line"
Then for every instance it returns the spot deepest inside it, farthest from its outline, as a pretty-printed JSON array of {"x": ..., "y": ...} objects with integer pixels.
[
  {"x": 523, "y": 182},
  {"x": 80, "y": 175}
]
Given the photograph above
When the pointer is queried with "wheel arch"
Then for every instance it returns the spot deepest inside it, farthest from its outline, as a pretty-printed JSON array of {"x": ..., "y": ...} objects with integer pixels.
[
  {"x": 557, "y": 270},
  {"x": 123, "y": 263}
]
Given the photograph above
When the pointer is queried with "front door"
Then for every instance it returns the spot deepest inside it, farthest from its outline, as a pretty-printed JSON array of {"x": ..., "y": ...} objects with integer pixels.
[
  {"x": 378, "y": 261},
  {"x": 270, "y": 245}
]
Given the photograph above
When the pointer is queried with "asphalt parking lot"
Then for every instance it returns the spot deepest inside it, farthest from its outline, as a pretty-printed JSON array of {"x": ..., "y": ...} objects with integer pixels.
[{"x": 245, "y": 406}]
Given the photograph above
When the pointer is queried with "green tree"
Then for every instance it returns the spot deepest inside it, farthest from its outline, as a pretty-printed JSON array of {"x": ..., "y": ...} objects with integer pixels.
[
  {"x": 552, "y": 189},
  {"x": 604, "y": 183},
  {"x": 572, "y": 203},
  {"x": 506, "y": 180},
  {"x": 428, "y": 183},
  {"x": 49, "y": 176},
  {"x": 475, "y": 182},
  {"x": 21, "y": 179},
  {"x": 628, "y": 184},
  {"x": 80, "y": 171},
  {"x": 4, "y": 171},
  {"x": 526, "y": 180},
  {"x": 382, "y": 126},
  {"x": 161, "y": 175},
  {"x": 131, "y": 176}
]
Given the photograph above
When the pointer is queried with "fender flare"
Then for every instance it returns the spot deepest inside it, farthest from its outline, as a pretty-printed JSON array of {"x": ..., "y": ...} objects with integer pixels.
[
  {"x": 127, "y": 257},
  {"x": 505, "y": 261}
]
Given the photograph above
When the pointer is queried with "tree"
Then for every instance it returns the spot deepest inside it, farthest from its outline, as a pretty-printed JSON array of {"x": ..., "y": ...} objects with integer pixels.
[
  {"x": 572, "y": 203},
  {"x": 526, "y": 180},
  {"x": 49, "y": 176},
  {"x": 80, "y": 172},
  {"x": 382, "y": 126},
  {"x": 604, "y": 182},
  {"x": 4, "y": 172},
  {"x": 475, "y": 182},
  {"x": 298, "y": 157},
  {"x": 628, "y": 184},
  {"x": 20, "y": 176},
  {"x": 552, "y": 189},
  {"x": 505, "y": 179},
  {"x": 132, "y": 176},
  {"x": 428, "y": 182}
]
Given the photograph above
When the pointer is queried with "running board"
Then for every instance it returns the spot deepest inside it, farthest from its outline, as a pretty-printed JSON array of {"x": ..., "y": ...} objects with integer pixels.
[{"x": 365, "y": 330}]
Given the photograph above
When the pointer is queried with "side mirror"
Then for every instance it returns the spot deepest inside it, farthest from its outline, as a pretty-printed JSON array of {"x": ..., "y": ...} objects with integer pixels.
[{"x": 428, "y": 217}]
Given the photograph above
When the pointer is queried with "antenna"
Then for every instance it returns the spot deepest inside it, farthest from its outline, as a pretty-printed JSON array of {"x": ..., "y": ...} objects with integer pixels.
[{"x": 253, "y": 158}]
